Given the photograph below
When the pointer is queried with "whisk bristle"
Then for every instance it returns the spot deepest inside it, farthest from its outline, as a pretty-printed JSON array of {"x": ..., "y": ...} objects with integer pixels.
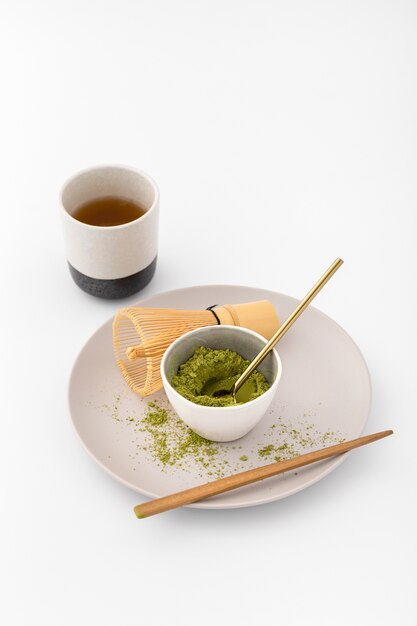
[
  {"x": 141, "y": 336},
  {"x": 134, "y": 353}
]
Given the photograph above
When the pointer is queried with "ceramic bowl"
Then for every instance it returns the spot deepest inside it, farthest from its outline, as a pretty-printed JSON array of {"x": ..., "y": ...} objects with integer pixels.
[{"x": 221, "y": 423}]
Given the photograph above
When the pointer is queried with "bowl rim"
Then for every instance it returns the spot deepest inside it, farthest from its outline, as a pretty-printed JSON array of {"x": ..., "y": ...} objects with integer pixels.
[{"x": 203, "y": 407}]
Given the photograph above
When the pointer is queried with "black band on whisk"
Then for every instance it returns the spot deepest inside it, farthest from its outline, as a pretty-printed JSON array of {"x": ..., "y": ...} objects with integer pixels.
[{"x": 211, "y": 308}]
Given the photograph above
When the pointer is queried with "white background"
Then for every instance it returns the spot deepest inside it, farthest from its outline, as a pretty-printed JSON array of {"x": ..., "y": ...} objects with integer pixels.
[{"x": 282, "y": 134}]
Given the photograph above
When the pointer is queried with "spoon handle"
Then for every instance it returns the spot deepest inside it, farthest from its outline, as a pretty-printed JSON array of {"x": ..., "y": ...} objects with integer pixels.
[{"x": 287, "y": 324}]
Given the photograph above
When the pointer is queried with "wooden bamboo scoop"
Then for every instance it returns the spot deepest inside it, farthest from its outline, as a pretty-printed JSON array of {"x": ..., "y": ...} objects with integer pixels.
[
  {"x": 282, "y": 330},
  {"x": 241, "y": 479}
]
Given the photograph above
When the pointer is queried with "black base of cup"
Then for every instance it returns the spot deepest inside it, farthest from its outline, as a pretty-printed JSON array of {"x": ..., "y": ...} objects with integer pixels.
[{"x": 114, "y": 288}]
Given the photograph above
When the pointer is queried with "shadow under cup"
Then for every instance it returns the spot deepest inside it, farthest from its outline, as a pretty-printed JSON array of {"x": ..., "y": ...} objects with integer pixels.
[{"x": 111, "y": 261}]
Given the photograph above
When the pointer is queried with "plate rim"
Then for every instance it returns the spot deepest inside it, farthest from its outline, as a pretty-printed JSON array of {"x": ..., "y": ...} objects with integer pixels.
[{"x": 206, "y": 504}]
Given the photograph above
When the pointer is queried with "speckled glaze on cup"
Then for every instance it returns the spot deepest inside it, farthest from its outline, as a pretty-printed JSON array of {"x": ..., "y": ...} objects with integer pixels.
[
  {"x": 221, "y": 423},
  {"x": 111, "y": 261}
]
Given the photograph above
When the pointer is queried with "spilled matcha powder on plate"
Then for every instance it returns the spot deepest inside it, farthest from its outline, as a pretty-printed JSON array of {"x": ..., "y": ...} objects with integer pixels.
[
  {"x": 172, "y": 444},
  {"x": 159, "y": 437},
  {"x": 210, "y": 371}
]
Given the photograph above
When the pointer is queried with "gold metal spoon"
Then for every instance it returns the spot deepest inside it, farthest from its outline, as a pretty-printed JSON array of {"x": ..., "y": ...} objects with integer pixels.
[{"x": 283, "y": 329}]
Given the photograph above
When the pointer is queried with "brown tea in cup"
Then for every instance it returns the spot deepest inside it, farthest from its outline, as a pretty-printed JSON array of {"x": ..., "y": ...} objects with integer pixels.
[{"x": 108, "y": 211}]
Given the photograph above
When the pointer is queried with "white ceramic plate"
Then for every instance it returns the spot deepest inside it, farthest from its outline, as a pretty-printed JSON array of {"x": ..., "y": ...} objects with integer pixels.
[{"x": 324, "y": 395}]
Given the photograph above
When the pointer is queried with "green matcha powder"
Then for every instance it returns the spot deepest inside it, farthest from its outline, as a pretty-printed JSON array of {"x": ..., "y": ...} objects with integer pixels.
[
  {"x": 210, "y": 371},
  {"x": 159, "y": 435}
]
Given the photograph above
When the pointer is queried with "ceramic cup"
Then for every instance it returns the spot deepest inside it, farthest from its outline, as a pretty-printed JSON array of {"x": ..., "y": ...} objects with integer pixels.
[{"x": 111, "y": 261}]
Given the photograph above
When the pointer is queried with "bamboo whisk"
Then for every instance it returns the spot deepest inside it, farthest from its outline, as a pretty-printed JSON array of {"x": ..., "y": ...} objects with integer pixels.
[{"x": 141, "y": 335}]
